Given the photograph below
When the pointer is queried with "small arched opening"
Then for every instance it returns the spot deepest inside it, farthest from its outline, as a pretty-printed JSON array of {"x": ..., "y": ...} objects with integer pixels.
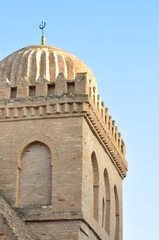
[
  {"x": 107, "y": 200},
  {"x": 95, "y": 186}
]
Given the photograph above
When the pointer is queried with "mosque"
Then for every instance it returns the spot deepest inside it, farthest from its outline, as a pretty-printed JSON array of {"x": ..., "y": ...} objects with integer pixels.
[{"x": 62, "y": 159}]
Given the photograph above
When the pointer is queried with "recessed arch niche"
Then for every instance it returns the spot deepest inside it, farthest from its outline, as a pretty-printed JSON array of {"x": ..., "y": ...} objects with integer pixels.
[
  {"x": 95, "y": 186},
  {"x": 107, "y": 200},
  {"x": 34, "y": 178},
  {"x": 117, "y": 215}
]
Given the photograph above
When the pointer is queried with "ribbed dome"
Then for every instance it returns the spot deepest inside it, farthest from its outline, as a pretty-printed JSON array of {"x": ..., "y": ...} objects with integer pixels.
[{"x": 34, "y": 61}]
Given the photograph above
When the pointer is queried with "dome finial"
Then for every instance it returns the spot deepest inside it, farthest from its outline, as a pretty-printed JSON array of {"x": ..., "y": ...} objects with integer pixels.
[{"x": 42, "y": 26}]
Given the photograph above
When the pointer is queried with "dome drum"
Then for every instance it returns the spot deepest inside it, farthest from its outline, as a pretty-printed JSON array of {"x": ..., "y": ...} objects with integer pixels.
[{"x": 43, "y": 87}]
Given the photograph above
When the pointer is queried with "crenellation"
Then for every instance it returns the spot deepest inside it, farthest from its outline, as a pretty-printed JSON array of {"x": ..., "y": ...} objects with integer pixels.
[
  {"x": 99, "y": 97},
  {"x": 119, "y": 140},
  {"x": 81, "y": 85},
  {"x": 60, "y": 84},
  {"x": 103, "y": 111},
  {"x": 94, "y": 98},
  {"x": 113, "y": 129},
  {"x": 110, "y": 124},
  {"x": 99, "y": 103},
  {"x": 22, "y": 91},
  {"x": 106, "y": 116},
  {"x": 123, "y": 148},
  {"x": 103, "y": 114},
  {"x": 5, "y": 88},
  {"x": 94, "y": 89},
  {"x": 22, "y": 88},
  {"x": 90, "y": 92},
  {"x": 41, "y": 86},
  {"x": 116, "y": 135}
]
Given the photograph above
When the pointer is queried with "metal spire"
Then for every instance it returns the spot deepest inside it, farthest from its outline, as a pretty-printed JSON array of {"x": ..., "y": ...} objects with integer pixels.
[{"x": 42, "y": 26}]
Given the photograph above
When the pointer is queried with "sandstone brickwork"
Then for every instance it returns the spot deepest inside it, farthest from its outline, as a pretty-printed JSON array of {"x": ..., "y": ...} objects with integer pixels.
[
  {"x": 6, "y": 232},
  {"x": 62, "y": 158},
  {"x": 11, "y": 226}
]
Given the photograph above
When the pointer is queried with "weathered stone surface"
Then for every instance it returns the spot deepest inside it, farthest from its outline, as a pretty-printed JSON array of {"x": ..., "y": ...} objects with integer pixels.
[
  {"x": 11, "y": 226},
  {"x": 6, "y": 232}
]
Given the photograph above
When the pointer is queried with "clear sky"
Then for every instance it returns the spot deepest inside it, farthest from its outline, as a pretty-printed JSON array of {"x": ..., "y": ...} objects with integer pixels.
[{"x": 119, "y": 41}]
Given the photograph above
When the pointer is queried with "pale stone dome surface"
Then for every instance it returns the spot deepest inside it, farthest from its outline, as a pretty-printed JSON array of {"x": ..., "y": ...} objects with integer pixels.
[{"x": 41, "y": 60}]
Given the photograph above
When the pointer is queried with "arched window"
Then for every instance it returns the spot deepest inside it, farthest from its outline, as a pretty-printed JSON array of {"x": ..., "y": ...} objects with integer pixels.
[
  {"x": 95, "y": 185},
  {"x": 107, "y": 200},
  {"x": 35, "y": 176},
  {"x": 117, "y": 216}
]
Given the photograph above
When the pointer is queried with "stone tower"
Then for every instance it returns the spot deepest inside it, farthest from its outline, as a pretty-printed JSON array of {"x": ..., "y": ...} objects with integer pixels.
[{"x": 62, "y": 159}]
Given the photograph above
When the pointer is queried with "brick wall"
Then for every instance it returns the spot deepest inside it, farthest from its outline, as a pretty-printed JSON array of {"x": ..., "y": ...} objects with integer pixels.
[
  {"x": 56, "y": 230},
  {"x": 63, "y": 138},
  {"x": 92, "y": 145},
  {"x": 6, "y": 232},
  {"x": 11, "y": 226}
]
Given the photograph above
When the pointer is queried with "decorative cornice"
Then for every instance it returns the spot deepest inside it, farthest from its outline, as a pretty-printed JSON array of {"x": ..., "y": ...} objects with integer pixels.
[
  {"x": 107, "y": 141},
  {"x": 40, "y": 111},
  {"x": 70, "y": 106}
]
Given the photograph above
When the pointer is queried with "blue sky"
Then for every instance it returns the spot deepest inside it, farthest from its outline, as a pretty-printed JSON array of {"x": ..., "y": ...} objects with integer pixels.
[{"x": 119, "y": 41}]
